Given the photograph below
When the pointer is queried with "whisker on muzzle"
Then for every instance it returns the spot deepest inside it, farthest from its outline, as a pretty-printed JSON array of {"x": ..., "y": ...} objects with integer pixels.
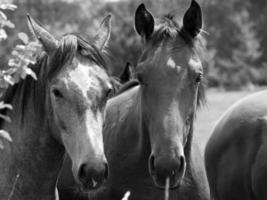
[{"x": 167, "y": 187}]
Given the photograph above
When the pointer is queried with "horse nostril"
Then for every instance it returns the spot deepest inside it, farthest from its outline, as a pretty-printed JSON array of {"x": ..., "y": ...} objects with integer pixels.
[
  {"x": 82, "y": 172},
  {"x": 152, "y": 164},
  {"x": 106, "y": 171},
  {"x": 182, "y": 164}
]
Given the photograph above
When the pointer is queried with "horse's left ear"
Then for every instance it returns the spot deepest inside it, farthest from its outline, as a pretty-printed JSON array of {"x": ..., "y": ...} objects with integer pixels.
[
  {"x": 192, "y": 21},
  {"x": 48, "y": 41},
  {"x": 144, "y": 21},
  {"x": 103, "y": 34}
]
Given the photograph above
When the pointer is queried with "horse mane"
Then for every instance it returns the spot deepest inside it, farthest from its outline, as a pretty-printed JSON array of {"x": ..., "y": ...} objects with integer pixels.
[
  {"x": 166, "y": 28},
  {"x": 45, "y": 69}
]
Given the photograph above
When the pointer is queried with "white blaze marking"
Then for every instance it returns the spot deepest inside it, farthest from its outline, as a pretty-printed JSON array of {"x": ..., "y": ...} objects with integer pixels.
[{"x": 171, "y": 63}]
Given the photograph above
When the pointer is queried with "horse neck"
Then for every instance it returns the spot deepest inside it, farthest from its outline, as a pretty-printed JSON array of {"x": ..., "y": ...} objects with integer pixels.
[
  {"x": 143, "y": 136},
  {"x": 34, "y": 157}
]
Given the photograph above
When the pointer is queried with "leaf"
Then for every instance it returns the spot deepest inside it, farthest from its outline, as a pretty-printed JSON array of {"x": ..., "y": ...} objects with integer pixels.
[
  {"x": 4, "y": 134},
  {"x": 6, "y": 118},
  {"x": 12, "y": 62},
  {"x": 4, "y": 105},
  {"x": 20, "y": 47},
  {"x": 3, "y": 15},
  {"x": 31, "y": 73},
  {"x": 3, "y": 34},
  {"x": 24, "y": 37},
  {"x": 8, "y": 6},
  {"x": 9, "y": 80},
  {"x": 8, "y": 23}
]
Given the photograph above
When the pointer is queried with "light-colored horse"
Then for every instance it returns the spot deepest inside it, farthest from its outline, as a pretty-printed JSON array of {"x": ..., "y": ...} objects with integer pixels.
[{"x": 60, "y": 112}]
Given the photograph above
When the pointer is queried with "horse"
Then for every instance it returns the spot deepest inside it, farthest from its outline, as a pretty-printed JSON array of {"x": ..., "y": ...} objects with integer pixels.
[
  {"x": 67, "y": 187},
  {"x": 62, "y": 111},
  {"x": 148, "y": 130},
  {"x": 235, "y": 155}
]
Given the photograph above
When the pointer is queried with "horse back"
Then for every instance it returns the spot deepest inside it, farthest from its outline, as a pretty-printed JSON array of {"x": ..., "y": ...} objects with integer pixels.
[{"x": 232, "y": 150}]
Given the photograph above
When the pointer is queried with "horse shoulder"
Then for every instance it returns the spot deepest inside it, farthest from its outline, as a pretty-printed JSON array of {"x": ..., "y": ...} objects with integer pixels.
[
  {"x": 243, "y": 111},
  {"x": 259, "y": 166}
]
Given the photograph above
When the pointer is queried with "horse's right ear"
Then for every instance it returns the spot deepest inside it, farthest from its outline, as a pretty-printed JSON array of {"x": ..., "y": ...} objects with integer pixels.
[
  {"x": 103, "y": 34},
  {"x": 144, "y": 21},
  {"x": 48, "y": 41}
]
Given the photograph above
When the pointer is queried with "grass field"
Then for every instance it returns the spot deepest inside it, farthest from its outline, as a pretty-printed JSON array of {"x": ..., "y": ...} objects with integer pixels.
[{"x": 217, "y": 104}]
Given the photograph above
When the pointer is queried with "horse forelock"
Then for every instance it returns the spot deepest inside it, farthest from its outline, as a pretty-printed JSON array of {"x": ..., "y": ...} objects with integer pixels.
[
  {"x": 167, "y": 28},
  {"x": 69, "y": 46}
]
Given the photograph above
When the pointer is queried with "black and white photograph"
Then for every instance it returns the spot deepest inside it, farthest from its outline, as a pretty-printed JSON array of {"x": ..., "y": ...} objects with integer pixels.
[{"x": 133, "y": 100}]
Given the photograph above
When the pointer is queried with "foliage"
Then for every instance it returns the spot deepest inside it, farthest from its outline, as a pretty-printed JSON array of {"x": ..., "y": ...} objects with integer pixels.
[
  {"x": 4, "y": 77},
  {"x": 236, "y": 43},
  {"x": 238, "y": 47},
  {"x": 22, "y": 55},
  {"x": 4, "y": 21}
]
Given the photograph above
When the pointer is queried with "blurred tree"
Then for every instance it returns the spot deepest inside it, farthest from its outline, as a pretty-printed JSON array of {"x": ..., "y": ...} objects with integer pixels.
[{"x": 236, "y": 43}]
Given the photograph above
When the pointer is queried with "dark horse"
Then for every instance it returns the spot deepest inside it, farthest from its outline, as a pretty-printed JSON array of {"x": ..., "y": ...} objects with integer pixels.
[
  {"x": 236, "y": 153},
  {"x": 62, "y": 111},
  {"x": 148, "y": 132}
]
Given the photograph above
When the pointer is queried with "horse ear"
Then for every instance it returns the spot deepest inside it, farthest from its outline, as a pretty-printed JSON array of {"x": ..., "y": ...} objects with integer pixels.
[
  {"x": 48, "y": 41},
  {"x": 103, "y": 34},
  {"x": 127, "y": 73},
  {"x": 192, "y": 21},
  {"x": 144, "y": 21}
]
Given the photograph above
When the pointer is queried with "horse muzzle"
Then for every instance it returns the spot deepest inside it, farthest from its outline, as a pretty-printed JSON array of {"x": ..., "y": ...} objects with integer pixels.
[
  {"x": 163, "y": 168},
  {"x": 92, "y": 177}
]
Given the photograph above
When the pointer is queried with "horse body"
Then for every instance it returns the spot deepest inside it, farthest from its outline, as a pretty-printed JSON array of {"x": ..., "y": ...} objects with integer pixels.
[
  {"x": 53, "y": 115},
  {"x": 235, "y": 154},
  {"x": 126, "y": 131},
  {"x": 127, "y": 148}
]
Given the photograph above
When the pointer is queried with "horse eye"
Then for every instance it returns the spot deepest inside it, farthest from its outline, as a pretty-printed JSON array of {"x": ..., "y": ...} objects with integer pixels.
[
  {"x": 198, "y": 78},
  {"x": 57, "y": 93}
]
